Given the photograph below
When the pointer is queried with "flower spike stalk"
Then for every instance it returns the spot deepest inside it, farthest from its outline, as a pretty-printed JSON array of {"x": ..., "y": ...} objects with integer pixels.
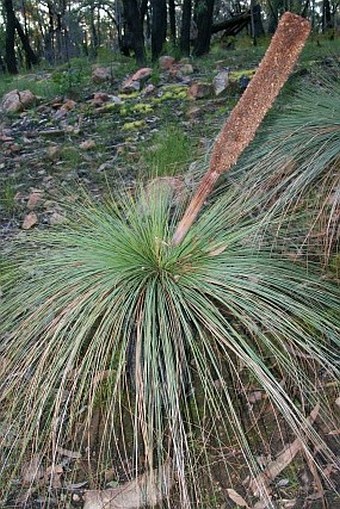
[{"x": 243, "y": 122}]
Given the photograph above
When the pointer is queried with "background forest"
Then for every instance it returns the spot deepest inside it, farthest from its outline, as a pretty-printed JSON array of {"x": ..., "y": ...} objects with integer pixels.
[{"x": 58, "y": 31}]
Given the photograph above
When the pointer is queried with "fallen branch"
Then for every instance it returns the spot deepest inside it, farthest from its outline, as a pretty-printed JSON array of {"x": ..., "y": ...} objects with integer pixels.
[{"x": 246, "y": 117}]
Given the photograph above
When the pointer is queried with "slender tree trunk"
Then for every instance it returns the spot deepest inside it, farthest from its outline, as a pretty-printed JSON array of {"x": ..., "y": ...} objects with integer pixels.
[
  {"x": 10, "y": 59},
  {"x": 135, "y": 28},
  {"x": 172, "y": 20},
  {"x": 158, "y": 27},
  {"x": 94, "y": 35},
  {"x": 185, "y": 27},
  {"x": 31, "y": 57},
  {"x": 256, "y": 21},
  {"x": 326, "y": 16},
  {"x": 204, "y": 17}
]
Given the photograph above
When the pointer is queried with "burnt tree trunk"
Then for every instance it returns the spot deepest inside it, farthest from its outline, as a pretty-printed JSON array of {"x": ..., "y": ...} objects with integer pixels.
[
  {"x": 31, "y": 57},
  {"x": 158, "y": 27},
  {"x": 10, "y": 59},
  {"x": 326, "y": 16},
  {"x": 172, "y": 21},
  {"x": 204, "y": 17},
  {"x": 134, "y": 26},
  {"x": 184, "y": 42}
]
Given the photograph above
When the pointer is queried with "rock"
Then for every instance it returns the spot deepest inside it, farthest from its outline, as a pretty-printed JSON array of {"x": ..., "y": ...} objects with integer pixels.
[
  {"x": 185, "y": 69},
  {"x": 244, "y": 82},
  {"x": 65, "y": 108},
  {"x": 200, "y": 90},
  {"x": 149, "y": 89},
  {"x": 166, "y": 62},
  {"x": 134, "y": 82},
  {"x": 56, "y": 218},
  {"x": 131, "y": 86},
  {"x": 142, "y": 74},
  {"x": 101, "y": 98},
  {"x": 87, "y": 145},
  {"x": 16, "y": 102},
  {"x": 101, "y": 74},
  {"x": 69, "y": 105},
  {"x": 221, "y": 81},
  {"x": 30, "y": 220},
  {"x": 34, "y": 198}
]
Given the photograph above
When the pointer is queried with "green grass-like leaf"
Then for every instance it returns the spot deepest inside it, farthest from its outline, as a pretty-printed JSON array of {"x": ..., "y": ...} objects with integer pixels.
[
  {"x": 294, "y": 163},
  {"x": 109, "y": 315}
]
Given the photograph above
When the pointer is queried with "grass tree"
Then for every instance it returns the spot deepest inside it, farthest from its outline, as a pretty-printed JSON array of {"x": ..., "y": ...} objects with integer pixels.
[
  {"x": 157, "y": 334},
  {"x": 108, "y": 313}
]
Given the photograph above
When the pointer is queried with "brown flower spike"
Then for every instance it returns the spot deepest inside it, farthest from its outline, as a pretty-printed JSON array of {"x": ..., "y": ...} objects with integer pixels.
[{"x": 243, "y": 122}]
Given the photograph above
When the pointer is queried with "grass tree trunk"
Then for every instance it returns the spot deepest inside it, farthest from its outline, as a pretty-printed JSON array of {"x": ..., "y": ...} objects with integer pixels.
[
  {"x": 158, "y": 27},
  {"x": 204, "y": 17},
  {"x": 134, "y": 24},
  {"x": 10, "y": 58},
  {"x": 185, "y": 27}
]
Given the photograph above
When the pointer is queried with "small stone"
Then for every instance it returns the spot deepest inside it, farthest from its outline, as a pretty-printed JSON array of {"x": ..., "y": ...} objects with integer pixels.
[
  {"x": 87, "y": 145},
  {"x": 186, "y": 69},
  {"x": 221, "y": 81},
  {"x": 30, "y": 220},
  {"x": 149, "y": 89},
  {"x": 166, "y": 62},
  {"x": 69, "y": 105},
  {"x": 142, "y": 74},
  {"x": 200, "y": 90},
  {"x": 34, "y": 198},
  {"x": 56, "y": 218},
  {"x": 101, "y": 74},
  {"x": 131, "y": 86}
]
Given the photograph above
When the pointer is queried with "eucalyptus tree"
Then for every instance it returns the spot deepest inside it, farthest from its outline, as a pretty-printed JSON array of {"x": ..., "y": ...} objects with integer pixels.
[
  {"x": 10, "y": 57},
  {"x": 158, "y": 27},
  {"x": 185, "y": 27},
  {"x": 204, "y": 10}
]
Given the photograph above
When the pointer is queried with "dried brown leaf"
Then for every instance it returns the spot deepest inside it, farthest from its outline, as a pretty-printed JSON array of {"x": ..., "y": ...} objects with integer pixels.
[
  {"x": 147, "y": 489},
  {"x": 236, "y": 497}
]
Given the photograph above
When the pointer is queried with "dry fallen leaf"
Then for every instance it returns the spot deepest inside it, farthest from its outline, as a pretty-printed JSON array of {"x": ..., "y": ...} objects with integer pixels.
[
  {"x": 30, "y": 220},
  {"x": 235, "y": 497},
  {"x": 132, "y": 494}
]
